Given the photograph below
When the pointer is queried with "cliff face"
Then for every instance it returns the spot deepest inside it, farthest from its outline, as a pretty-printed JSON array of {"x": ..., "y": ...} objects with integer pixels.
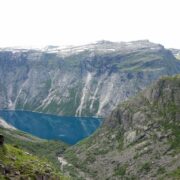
[
  {"x": 176, "y": 53},
  {"x": 83, "y": 81},
  {"x": 139, "y": 140}
]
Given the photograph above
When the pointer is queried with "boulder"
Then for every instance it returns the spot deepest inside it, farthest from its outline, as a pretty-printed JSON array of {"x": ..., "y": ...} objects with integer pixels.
[{"x": 1, "y": 139}]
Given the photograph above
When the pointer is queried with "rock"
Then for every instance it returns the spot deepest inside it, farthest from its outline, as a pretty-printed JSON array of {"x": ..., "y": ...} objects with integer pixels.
[
  {"x": 17, "y": 173},
  {"x": 13, "y": 158},
  {"x": 2, "y": 169},
  {"x": 130, "y": 137},
  {"x": 47, "y": 171},
  {"x": 44, "y": 177},
  {"x": 39, "y": 177},
  {"x": 1, "y": 139},
  {"x": 147, "y": 120},
  {"x": 94, "y": 77},
  {"x": 140, "y": 137},
  {"x": 7, "y": 170}
]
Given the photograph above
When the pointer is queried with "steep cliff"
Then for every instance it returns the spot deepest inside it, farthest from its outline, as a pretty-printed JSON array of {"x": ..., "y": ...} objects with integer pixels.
[
  {"x": 139, "y": 140},
  {"x": 176, "y": 53},
  {"x": 87, "y": 80}
]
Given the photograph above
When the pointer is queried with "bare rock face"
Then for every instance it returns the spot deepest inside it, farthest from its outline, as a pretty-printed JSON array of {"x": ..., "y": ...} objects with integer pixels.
[
  {"x": 1, "y": 140},
  {"x": 87, "y": 80},
  {"x": 176, "y": 53},
  {"x": 139, "y": 140}
]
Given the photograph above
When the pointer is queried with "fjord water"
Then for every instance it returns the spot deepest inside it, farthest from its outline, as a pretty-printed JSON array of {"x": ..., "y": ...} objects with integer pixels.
[{"x": 68, "y": 129}]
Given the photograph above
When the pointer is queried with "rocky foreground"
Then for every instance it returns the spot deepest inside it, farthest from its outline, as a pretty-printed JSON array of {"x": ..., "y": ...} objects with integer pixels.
[{"x": 139, "y": 140}]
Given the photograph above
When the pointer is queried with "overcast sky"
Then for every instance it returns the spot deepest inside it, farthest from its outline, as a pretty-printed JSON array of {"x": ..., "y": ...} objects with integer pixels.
[{"x": 64, "y": 22}]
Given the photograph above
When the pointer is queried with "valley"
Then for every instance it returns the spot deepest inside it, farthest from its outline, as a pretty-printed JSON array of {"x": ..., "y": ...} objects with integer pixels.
[{"x": 101, "y": 111}]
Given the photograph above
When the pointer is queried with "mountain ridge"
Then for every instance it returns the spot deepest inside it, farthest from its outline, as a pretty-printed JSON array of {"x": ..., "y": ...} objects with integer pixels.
[{"x": 87, "y": 80}]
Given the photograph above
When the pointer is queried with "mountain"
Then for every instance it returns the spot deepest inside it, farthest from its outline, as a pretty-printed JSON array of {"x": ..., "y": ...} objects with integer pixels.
[
  {"x": 139, "y": 140},
  {"x": 176, "y": 53},
  {"x": 88, "y": 80}
]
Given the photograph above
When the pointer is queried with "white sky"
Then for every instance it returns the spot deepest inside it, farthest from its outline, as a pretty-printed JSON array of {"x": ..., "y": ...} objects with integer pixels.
[{"x": 63, "y": 22}]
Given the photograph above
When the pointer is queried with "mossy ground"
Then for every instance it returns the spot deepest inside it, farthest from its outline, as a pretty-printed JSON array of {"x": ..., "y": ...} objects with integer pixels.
[
  {"x": 27, "y": 165},
  {"x": 36, "y": 146}
]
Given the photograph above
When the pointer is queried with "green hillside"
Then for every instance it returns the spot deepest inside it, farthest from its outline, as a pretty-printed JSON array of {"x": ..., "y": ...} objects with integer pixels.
[{"x": 42, "y": 148}]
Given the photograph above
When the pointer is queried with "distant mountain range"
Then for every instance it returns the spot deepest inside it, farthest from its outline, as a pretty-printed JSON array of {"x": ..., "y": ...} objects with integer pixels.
[
  {"x": 88, "y": 80},
  {"x": 176, "y": 53}
]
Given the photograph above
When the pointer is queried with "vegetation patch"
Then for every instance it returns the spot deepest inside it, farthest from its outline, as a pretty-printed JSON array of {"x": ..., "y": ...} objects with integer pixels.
[
  {"x": 23, "y": 164},
  {"x": 120, "y": 170},
  {"x": 161, "y": 170},
  {"x": 146, "y": 167},
  {"x": 41, "y": 148},
  {"x": 174, "y": 139},
  {"x": 175, "y": 174}
]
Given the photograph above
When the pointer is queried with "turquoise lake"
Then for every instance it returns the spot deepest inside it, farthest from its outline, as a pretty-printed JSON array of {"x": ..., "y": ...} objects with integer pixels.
[{"x": 51, "y": 127}]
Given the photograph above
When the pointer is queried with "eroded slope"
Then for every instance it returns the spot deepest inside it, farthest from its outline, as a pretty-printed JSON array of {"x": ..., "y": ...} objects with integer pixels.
[{"x": 140, "y": 139}]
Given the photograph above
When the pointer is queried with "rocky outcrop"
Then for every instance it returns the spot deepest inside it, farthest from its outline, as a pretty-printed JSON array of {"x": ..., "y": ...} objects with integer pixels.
[
  {"x": 176, "y": 53},
  {"x": 139, "y": 140},
  {"x": 1, "y": 140},
  {"x": 87, "y": 80},
  {"x": 4, "y": 124}
]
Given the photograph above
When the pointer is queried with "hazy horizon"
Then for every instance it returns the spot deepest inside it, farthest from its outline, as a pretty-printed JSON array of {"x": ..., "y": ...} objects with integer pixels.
[
  {"x": 80, "y": 44},
  {"x": 33, "y": 23}
]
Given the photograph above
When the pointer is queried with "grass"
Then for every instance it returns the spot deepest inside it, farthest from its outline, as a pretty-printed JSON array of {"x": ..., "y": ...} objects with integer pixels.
[
  {"x": 175, "y": 174},
  {"x": 174, "y": 140},
  {"x": 90, "y": 157},
  {"x": 120, "y": 139},
  {"x": 173, "y": 79},
  {"x": 120, "y": 170},
  {"x": 36, "y": 146},
  {"x": 72, "y": 158},
  {"x": 146, "y": 167},
  {"x": 161, "y": 170},
  {"x": 27, "y": 164}
]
